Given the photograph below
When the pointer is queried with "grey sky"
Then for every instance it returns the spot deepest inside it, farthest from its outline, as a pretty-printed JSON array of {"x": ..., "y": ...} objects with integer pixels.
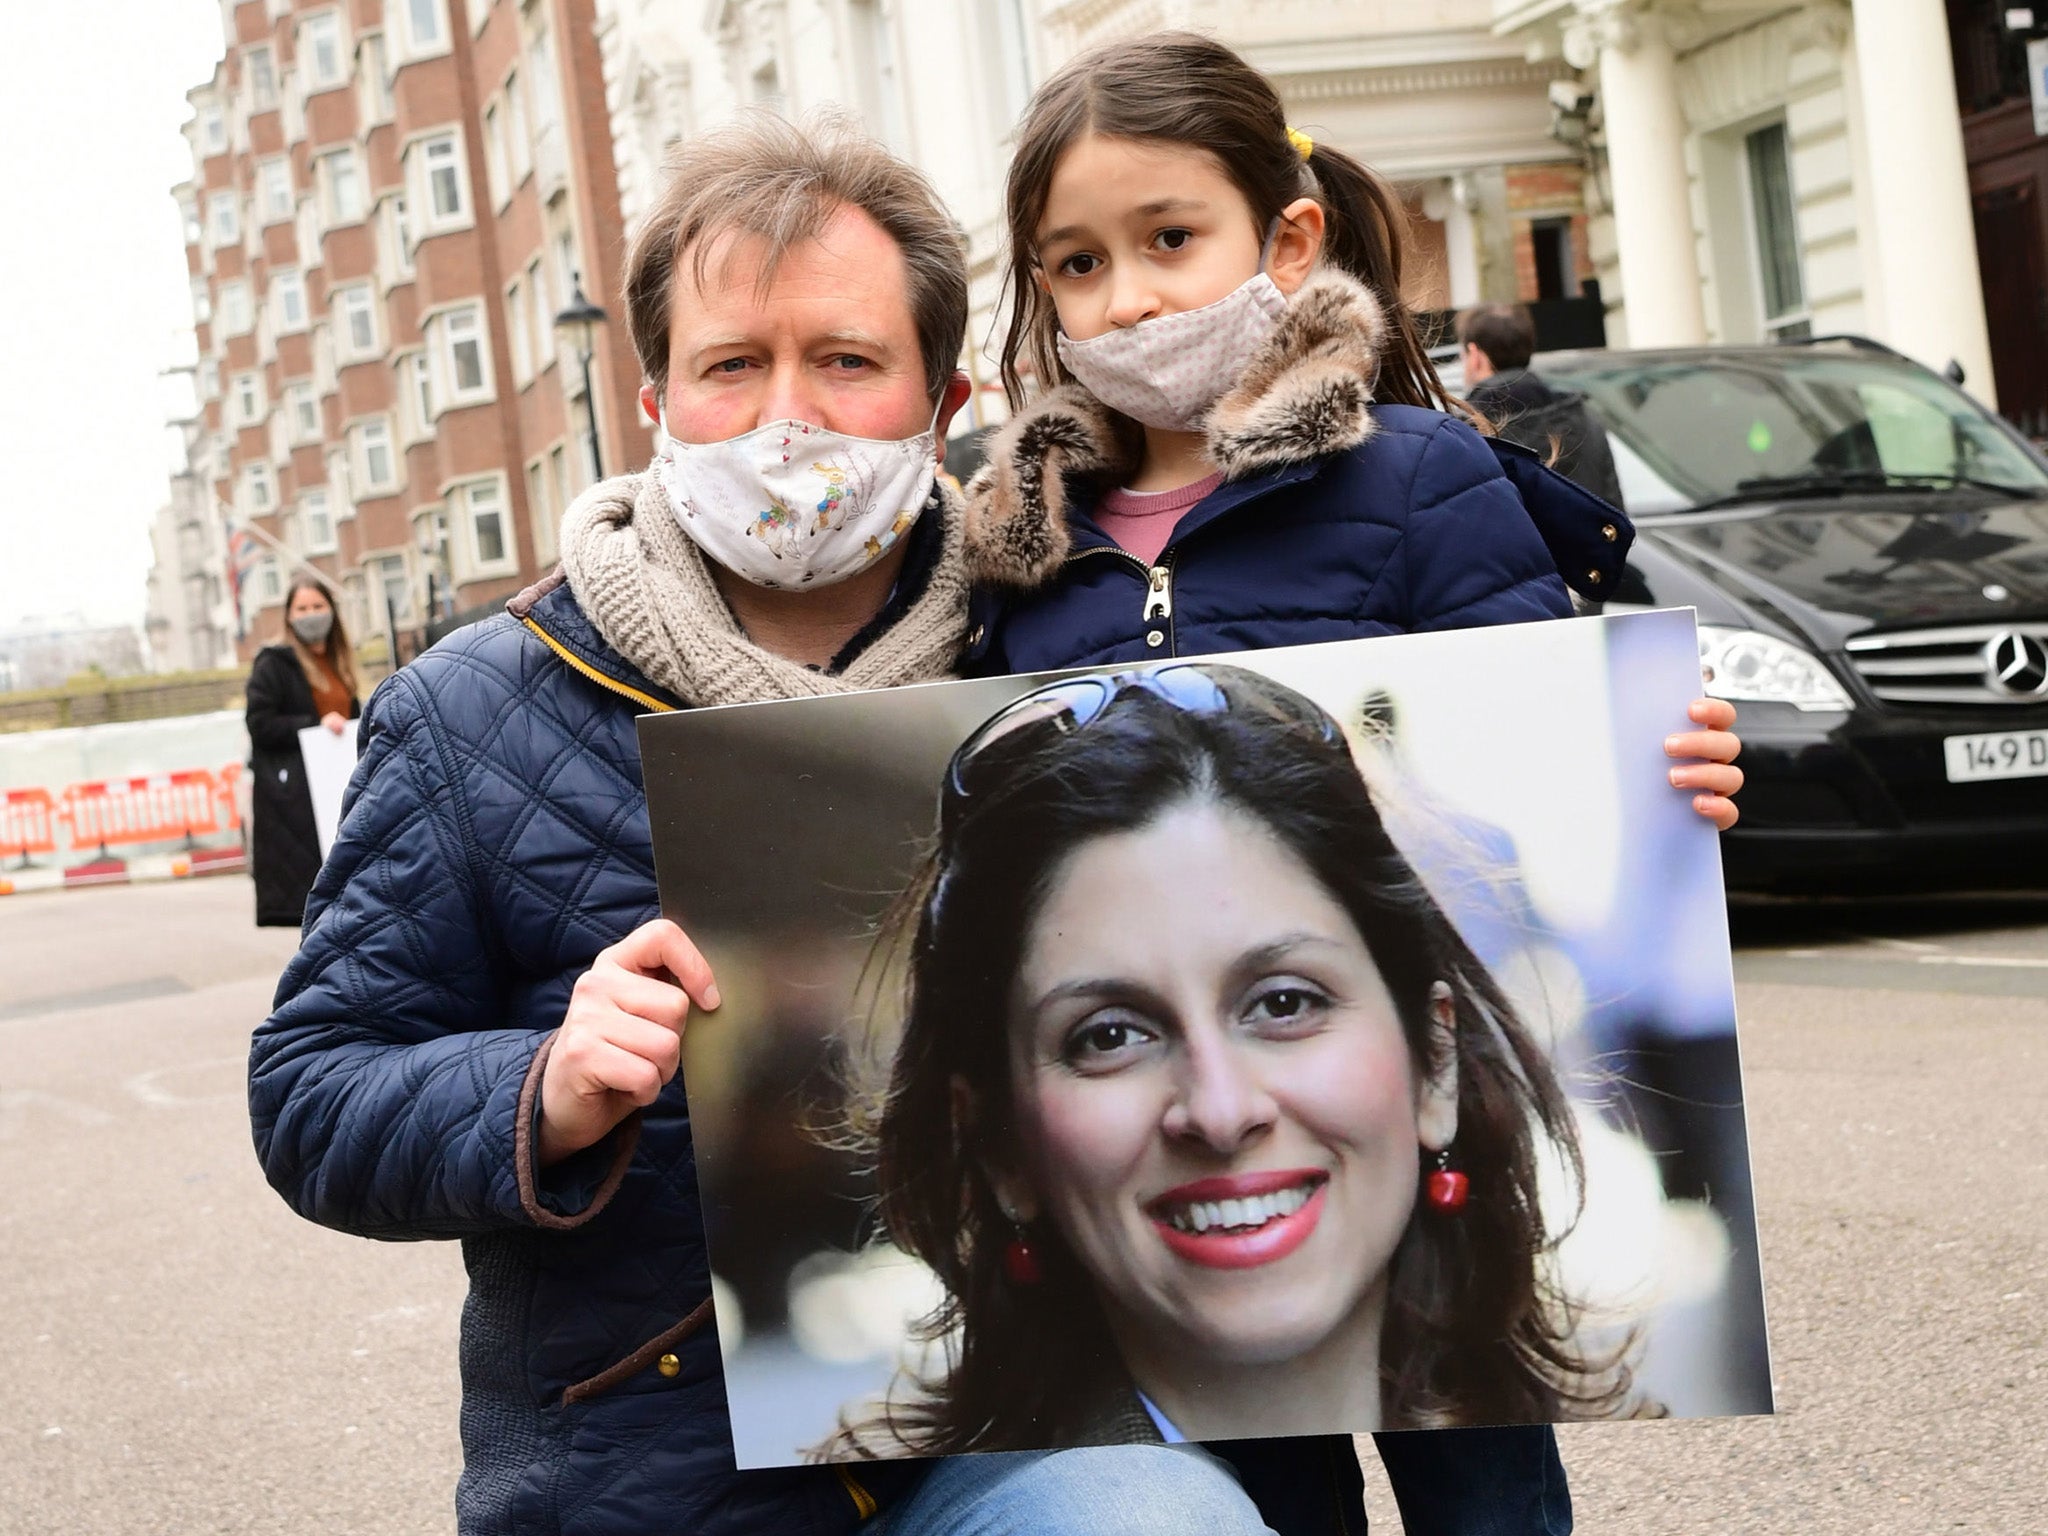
[{"x": 92, "y": 277}]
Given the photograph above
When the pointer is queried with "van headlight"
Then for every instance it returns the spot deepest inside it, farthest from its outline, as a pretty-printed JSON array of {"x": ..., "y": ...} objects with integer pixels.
[{"x": 1741, "y": 664}]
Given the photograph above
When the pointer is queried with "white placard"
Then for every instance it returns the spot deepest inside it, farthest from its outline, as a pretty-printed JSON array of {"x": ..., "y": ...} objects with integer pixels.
[{"x": 330, "y": 759}]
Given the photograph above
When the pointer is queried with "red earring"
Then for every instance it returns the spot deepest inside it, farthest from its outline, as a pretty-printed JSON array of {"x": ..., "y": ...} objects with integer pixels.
[
  {"x": 1020, "y": 1259},
  {"x": 1447, "y": 1188}
]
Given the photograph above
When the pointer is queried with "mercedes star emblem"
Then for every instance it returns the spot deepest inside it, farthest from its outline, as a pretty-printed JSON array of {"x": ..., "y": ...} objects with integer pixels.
[{"x": 2016, "y": 664}]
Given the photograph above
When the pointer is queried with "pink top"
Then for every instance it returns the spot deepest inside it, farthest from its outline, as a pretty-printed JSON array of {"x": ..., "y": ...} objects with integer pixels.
[{"x": 1142, "y": 521}]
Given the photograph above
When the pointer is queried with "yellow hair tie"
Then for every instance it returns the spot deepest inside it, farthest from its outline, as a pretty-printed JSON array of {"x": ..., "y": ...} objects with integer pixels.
[{"x": 1304, "y": 146}]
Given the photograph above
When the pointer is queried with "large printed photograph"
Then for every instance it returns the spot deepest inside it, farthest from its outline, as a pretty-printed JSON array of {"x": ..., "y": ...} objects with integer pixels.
[{"x": 1327, "y": 1039}]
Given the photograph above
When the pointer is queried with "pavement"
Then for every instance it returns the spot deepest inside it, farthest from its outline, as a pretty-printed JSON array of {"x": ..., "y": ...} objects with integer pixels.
[{"x": 191, "y": 1357}]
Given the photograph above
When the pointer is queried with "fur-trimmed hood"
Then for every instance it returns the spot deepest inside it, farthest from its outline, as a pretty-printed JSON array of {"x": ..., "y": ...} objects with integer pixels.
[{"x": 1305, "y": 395}]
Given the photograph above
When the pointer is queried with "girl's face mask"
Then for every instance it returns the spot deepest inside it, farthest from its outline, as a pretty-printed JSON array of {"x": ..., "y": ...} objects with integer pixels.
[
  {"x": 793, "y": 505},
  {"x": 1166, "y": 373}
]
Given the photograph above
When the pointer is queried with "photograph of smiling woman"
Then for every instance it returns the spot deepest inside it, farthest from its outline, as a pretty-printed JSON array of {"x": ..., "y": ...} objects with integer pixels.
[{"x": 1089, "y": 1300}]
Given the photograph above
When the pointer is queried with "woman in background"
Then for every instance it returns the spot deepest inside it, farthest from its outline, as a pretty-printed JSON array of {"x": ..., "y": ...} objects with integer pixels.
[{"x": 309, "y": 679}]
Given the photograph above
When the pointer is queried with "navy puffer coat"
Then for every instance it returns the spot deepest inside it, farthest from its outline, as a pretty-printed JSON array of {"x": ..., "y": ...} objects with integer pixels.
[
  {"x": 496, "y": 839},
  {"x": 1338, "y": 518}
]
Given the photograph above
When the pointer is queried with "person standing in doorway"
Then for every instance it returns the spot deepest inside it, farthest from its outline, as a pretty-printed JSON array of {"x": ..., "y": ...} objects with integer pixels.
[{"x": 309, "y": 679}]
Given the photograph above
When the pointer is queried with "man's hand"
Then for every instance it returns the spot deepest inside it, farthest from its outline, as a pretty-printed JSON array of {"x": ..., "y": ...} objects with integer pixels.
[
  {"x": 1712, "y": 770},
  {"x": 622, "y": 1038},
  {"x": 336, "y": 723}
]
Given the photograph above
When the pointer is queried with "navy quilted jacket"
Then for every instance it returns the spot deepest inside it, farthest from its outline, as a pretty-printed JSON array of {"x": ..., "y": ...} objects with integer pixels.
[
  {"x": 496, "y": 839},
  {"x": 1426, "y": 526},
  {"x": 1338, "y": 518}
]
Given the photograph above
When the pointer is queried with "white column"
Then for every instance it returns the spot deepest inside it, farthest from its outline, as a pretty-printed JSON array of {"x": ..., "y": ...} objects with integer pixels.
[
  {"x": 1645, "y": 128},
  {"x": 1446, "y": 202},
  {"x": 1932, "y": 300}
]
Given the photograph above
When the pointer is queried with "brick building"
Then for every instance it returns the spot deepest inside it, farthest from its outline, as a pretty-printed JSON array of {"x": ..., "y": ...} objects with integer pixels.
[{"x": 390, "y": 202}]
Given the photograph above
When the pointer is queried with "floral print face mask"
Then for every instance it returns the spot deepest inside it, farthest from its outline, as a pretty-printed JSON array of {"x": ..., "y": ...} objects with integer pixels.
[{"x": 793, "y": 505}]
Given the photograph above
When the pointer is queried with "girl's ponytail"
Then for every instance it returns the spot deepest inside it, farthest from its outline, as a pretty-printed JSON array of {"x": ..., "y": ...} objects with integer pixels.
[{"x": 1365, "y": 236}]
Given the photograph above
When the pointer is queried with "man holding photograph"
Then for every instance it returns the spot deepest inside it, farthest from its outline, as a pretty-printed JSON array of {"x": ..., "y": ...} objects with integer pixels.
[{"x": 479, "y": 1036}]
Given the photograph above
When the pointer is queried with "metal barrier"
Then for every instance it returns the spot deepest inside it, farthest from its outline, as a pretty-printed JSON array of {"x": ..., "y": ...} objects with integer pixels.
[
  {"x": 27, "y": 824},
  {"x": 160, "y": 808}
]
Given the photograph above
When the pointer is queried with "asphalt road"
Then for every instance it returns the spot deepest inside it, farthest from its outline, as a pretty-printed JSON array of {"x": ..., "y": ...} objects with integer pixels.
[{"x": 187, "y": 1356}]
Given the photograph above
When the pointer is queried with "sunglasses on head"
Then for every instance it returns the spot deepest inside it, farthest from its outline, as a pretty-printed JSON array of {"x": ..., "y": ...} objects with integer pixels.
[{"x": 1077, "y": 702}]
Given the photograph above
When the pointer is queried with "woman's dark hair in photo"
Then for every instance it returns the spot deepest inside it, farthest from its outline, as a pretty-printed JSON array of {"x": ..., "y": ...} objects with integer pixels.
[
  {"x": 1183, "y": 88},
  {"x": 1473, "y": 1333}
]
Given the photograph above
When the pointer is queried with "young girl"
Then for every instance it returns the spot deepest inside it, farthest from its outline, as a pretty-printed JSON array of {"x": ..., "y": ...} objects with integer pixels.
[{"x": 1239, "y": 441}]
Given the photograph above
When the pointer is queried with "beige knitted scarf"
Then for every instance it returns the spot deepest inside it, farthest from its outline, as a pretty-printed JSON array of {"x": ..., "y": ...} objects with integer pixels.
[{"x": 646, "y": 587}]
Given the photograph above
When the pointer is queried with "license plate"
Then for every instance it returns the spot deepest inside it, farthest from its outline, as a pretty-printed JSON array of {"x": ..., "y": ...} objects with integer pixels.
[{"x": 1999, "y": 755}]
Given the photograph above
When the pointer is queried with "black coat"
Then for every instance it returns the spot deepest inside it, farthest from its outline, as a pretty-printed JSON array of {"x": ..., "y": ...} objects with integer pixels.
[
  {"x": 1530, "y": 410},
  {"x": 284, "y": 848}
]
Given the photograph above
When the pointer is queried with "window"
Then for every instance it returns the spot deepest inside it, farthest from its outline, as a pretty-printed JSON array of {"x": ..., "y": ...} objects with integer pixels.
[
  {"x": 247, "y": 394},
  {"x": 262, "y": 75},
  {"x": 494, "y": 155},
  {"x": 224, "y": 218},
  {"x": 422, "y": 390},
  {"x": 484, "y": 507},
  {"x": 307, "y": 231},
  {"x": 235, "y": 318},
  {"x": 394, "y": 238},
  {"x": 558, "y": 474},
  {"x": 302, "y": 413},
  {"x": 320, "y": 50},
  {"x": 1782, "y": 287},
  {"x": 288, "y": 301},
  {"x": 465, "y": 371},
  {"x": 515, "y": 328},
  {"x": 586, "y": 438},
  {"x": 425, "y": 24},
  {"x": 547, "y": 91},
  {"x": 373, "y": 79},
  {"x": 355, "y": 322},
  {"x": 376, "y": 467},
  {"x": 202, "y": 301},
  {"x": 341, "y": 182},
  {"x": 543, "y": 317},
  {"x": 442, "y": 194},
  {"x": 394, "y": 588},
  {"x": 269, "y": 581},
  {"x": 259, "y": 487},
  {"x": 517, "y": 129},
  {"x": 339, "y": 482},
  {"x": 213, "y": 130},
  {"x": 274, "y": 199},
  {"x": 188, "y": 211},
  {"x": 874, "y": 41},
  {"x": 209, "y": 379},
  {"x": 316, "y": 517},
  {"x": 1006, "y": 61},
  {"x": 539, "y": 510}
]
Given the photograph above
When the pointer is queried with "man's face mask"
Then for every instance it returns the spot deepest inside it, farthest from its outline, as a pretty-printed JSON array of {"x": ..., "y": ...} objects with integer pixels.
[{"x": 793, "y": 505}]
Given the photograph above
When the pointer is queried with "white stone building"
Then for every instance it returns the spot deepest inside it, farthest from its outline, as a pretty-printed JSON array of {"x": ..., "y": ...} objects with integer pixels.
[
  {"x": 1707, "y": 168},
  {"x": 1457, "y": 116},
  {"x": 1762, "y": 170}
]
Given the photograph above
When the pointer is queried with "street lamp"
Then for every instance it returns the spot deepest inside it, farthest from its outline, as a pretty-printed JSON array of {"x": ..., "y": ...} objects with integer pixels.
[{"x": 580, "y": 321}]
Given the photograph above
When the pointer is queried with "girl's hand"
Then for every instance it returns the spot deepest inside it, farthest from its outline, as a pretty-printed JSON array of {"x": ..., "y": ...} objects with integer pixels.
[
  {"x": 337, "y": 723},
  {"x": 1710, "y": 760}
]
